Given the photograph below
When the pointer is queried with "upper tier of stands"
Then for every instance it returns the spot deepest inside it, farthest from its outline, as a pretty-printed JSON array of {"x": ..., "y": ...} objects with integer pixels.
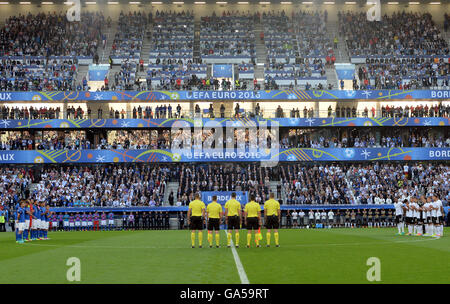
[
  {"x": 399, "y": 34},
  {"x": 42, "y": 51}
]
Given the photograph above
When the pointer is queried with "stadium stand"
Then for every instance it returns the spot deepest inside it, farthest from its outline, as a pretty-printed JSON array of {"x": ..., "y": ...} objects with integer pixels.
[
  {"x": 228, "y": 38},
  {"x": 127, "y": 42}
]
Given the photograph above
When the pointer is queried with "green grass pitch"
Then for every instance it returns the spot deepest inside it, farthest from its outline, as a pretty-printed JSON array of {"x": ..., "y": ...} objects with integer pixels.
[{"x": 305, "y": 256}]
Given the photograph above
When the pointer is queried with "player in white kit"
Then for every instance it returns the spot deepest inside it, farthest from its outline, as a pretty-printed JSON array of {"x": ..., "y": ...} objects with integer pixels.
[
  {"x": 399, "y": 217},
  {"x": 438, "y": 226},
  {"x": 409, "y": 216}
]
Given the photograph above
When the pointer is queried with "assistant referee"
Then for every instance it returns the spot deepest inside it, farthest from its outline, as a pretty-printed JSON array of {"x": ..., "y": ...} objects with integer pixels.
[
  {"x": 252, "y": 217},
  {"x": 196, "y": 215},
  {"x": 272, "y": 215},
  {"x": 233, "y": 218},
  {"x": 215, "y": 213}
]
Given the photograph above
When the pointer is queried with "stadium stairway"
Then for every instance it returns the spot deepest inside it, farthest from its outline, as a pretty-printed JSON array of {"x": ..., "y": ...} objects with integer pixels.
[
  {"x": 350, "y": 188},
  {"x": 330, "y": 72},
  {"x": 196, "y": 48},
  {"x": 341, "y": 53},
  {"x": 110, "y": 34},
  {"x": 82, "y": 71},
  {"x": 273, "y": 188},
  {"x": 446, "y": 35},
  {"x": 261, "y": 52},
  {"x": 145, "y": 52},
  {"x": 171, "y": 186}
]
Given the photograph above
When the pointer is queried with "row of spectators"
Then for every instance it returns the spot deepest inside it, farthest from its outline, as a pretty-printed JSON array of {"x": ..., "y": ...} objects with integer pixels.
[
  {"x": 166, "y": 139},
  {"x": 365, "y": 138},
  {"x": 167, "y": 111},
  {"x": 29, "y": 113}
]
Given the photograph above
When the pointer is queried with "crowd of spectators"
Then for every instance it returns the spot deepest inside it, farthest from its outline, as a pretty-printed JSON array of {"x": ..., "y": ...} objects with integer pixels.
[
  {"x": 380, "y": 183},
  {"x": 14, "y": 184},
  {"x": 318, "y": 184},
  {"x": 177, "y": 73},
  {"x": 128, "y": 40},
  {"x": 112, "y": 186},
  {"x": 224, "y": 177},
  {"x": 393, "y": 74},
  {"x": 51, "y": 34},
  {"x": 228, "y": 35},
  {"x": 145, "y": 184},
  {"x": 308, "y": 69},
  {"x": 364, "y": 138},
  {"x": 311, "y": 33},
  {"x": 50, "y": 140},
  {"x": 302, "y": 36},
  {"x": 173, "y": 37},
  {"x": 38, "y": 75},
  {"x": 402, "y": 33}
]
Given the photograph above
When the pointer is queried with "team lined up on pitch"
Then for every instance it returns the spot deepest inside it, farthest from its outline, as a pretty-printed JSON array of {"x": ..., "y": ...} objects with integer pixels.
[{"x": 423, "y": 216}]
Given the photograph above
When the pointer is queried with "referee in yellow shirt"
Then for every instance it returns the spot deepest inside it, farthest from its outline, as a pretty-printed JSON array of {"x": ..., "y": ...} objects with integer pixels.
[
  {"x": 215, "y": 213},
  {"x": 252, "y": 218},
  {"x": 233, "y": 218},
  {"x": 196, "y": 215},
  {"x": 272, "y": 215}
]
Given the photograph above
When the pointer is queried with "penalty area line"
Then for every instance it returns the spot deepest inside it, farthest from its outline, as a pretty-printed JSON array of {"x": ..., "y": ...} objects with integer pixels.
[{"x": 240, "y": 268}]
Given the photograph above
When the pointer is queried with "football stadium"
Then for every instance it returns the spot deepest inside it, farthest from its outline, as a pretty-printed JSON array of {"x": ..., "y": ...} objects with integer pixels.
[{"x": 228, "y": 142}]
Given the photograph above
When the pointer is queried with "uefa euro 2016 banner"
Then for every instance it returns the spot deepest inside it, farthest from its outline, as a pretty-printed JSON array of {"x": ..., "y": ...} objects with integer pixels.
[
  {"x": 224, "y": 122},
  {"x": 268, "y": 156},
  {"x": 157, "y": 96},
  {"x": 224, "y": 196}
]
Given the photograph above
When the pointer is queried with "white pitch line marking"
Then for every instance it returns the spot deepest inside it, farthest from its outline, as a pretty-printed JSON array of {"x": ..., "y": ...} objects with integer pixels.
[{"x": 237, "y": 261}]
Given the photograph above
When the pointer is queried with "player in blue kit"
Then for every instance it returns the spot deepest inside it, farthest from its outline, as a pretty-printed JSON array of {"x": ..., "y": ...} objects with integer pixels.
[
  {"x": 21, "y": 223},
  {"x": 27, "y": 221},
  {"x": 77, "y": 222},
  {"x": 103, "y": 222},
  {"x": 111, "y": 221},
  {"x": 84, "y": 221},
  {"x": 36, "y": 222},
  {"x": 90, "y": 222},
  {"x": 16, "y": 222},
  {"x": 66, "y": 221},
  {"x": 71, "y": 222},
  {"x": 45, "y": 217}
]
